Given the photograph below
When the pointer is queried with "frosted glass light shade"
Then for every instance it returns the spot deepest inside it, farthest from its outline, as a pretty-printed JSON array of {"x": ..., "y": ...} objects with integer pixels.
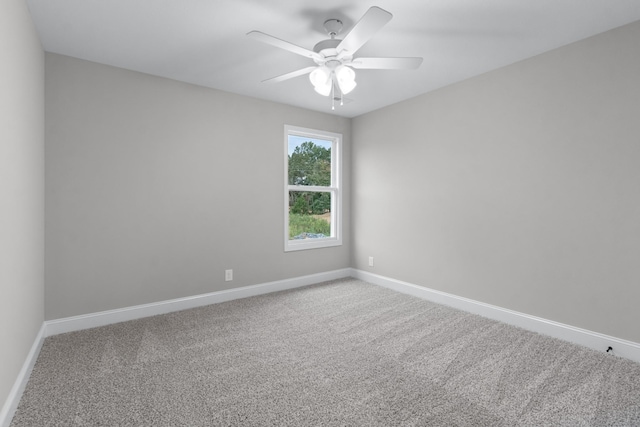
[
  {"x": 321, "y": 80},
  {"x": 347, "y": 86},
  {"x": 319, "y": 76},
  {"x": 324, "y": 89},
  {"x": 346, "y": 78}
]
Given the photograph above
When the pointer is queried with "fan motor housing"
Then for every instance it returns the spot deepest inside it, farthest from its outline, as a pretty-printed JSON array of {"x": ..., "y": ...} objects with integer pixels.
[
  {"x": 327, "y": 44},
  {"x": 330, "y": 55}
]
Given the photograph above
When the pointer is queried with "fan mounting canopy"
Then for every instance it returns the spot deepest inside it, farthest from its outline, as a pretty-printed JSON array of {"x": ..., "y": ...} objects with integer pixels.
[{"x": 333, "y": 27}]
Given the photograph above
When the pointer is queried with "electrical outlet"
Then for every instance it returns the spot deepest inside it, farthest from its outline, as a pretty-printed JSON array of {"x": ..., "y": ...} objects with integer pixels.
[
  {"x": 228, "y": 275},
  {"x": 370, "y": 261}
]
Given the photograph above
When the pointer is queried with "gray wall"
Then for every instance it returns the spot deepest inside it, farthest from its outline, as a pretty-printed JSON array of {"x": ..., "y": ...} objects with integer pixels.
[
  {"x": 21, "y": 189},
  {"x": 519, "y": 188},
  {"x": 155, "y": 187}
]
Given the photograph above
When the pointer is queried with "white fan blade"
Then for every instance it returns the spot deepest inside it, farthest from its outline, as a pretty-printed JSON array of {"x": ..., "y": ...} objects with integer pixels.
[
  {"x": 385, "y": 63},
  {"x": 274, "y": 41},
  {"x": 374, "y": 19},
  {"x": 290, "y": 75}
]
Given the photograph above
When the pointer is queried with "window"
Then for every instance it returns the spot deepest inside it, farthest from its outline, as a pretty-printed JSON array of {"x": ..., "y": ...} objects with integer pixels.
[{"x": 313, "y": 197}]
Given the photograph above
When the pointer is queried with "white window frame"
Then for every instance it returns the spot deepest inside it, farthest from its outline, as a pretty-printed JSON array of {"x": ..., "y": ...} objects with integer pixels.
[{"x": 335, "y": 189}]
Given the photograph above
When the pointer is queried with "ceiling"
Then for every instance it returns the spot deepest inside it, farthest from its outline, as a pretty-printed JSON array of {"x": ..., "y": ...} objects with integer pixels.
[{"x": 204, "y": 42}]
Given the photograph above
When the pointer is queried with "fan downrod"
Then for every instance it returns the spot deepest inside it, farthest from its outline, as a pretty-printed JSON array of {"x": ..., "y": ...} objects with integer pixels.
[{"x": 327, "y": 47}]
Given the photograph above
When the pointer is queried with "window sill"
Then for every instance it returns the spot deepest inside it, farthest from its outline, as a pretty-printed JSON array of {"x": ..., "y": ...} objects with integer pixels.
[{"x": 304, "y": 244}]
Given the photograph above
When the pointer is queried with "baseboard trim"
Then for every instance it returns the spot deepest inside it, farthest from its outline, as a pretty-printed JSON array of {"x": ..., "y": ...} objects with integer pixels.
[
  {"x": 594, "y": 340},
  {"x": 12, "y": 401},
  {"x": 92, "y": 320}
]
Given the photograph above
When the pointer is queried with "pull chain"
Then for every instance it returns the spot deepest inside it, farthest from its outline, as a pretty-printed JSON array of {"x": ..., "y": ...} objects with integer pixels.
[{"x": 333, "y": 96}]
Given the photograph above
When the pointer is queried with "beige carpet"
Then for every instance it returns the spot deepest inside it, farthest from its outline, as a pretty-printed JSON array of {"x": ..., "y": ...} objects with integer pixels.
[{"x": 344, "y": 353}]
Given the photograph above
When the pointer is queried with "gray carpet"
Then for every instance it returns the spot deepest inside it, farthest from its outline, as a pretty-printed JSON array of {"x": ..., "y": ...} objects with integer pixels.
[{"x": 343, "y": 353}]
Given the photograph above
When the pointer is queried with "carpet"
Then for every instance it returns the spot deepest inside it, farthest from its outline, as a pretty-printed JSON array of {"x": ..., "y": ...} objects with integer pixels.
[{"x": 341, "y": 353}]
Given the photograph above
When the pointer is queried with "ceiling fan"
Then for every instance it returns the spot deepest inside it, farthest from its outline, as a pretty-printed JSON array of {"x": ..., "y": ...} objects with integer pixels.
[{"x": 334, "y": 57}]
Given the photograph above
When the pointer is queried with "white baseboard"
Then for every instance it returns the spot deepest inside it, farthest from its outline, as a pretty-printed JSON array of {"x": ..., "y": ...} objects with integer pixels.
[
  {"x": 600, "y": 342},
  {"x": 86, "y": 321},
  {"x": 594, "y": 340},
  {"x": 12, "y": 401}
]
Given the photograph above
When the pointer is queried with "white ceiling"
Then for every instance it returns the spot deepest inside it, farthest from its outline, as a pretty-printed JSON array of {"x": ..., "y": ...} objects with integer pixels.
[{"x": 204, "y": 41}]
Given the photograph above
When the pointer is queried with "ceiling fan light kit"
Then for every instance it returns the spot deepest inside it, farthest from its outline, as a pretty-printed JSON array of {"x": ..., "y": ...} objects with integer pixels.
[
  {"x": 334, "y": 57},
  {"x": 323, "y": 78}
]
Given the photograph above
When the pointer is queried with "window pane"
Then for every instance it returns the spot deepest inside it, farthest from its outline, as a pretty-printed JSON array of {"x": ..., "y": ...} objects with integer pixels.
[
  {"x": 309, "y": 215},
  {"x": 309, "y": 161}
]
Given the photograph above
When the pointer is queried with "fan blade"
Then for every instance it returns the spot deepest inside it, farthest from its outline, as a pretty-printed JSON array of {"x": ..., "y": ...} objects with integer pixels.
[
  {"x": 289, "y": 75},
  {"x": 274, "y": 41},
  {"x": 373, "y": 20},
  {"x": 385, "y": 63}
]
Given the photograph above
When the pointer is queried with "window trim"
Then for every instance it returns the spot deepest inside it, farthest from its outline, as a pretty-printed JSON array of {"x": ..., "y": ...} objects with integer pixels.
[{"x": 335, "y": 189}]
